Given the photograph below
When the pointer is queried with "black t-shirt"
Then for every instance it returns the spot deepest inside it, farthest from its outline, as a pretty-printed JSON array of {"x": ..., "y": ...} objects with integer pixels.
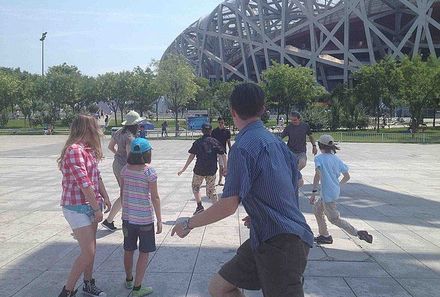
[
  {"x": 222, "y": 135},
  {"x": 297, "y": 136},
  {"x": 206, "y": 150}
]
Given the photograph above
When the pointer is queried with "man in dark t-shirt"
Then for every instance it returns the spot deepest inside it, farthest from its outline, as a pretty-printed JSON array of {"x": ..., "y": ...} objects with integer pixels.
[
  {"x": 223, "y": 136},
  {"x": 297, "y": 132},
  {"x": 206, "y": 150}
]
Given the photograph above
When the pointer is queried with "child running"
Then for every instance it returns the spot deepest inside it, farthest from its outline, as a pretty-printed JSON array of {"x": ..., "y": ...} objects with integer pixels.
[
  {"x": 139, "y": 197},
  {"x": 328, "y": 168}
]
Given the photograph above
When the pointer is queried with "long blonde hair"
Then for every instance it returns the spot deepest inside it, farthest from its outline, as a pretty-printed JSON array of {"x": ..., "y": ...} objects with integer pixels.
[{"x": 84, "y": 129}]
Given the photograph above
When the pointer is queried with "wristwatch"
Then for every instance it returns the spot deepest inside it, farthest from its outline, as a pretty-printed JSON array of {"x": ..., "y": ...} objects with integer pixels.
[{"x": 186, "y": 225}]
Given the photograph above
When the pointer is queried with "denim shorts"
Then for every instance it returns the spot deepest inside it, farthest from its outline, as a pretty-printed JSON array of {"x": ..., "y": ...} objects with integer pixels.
[
  {"x": 76, "y": 219},
  {"x": 145, "y": 234}
]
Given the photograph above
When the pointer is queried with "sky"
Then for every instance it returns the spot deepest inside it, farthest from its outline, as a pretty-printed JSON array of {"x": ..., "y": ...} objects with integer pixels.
[{"x": 96, "y": 36}]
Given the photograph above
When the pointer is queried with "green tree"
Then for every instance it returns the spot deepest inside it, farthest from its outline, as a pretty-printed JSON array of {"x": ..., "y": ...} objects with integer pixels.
[
  {"x": 9, "y": 86},
  {"x": 416, "y": 89},
  {"x": 290, "y": 86},
  {"x": 221, "y": 93},
  {"x": 434, "y": 66},
  {"x": 145, "y": 91},
  {"x": 377, "y": 86},
  {"x": 176, "y": 81},
  {"x": 64, "y": 86},
  {"x": 106, "y": 85}
]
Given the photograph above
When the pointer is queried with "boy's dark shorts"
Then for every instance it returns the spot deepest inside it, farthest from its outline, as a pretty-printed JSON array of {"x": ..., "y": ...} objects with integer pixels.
[
  {"x": 145, "y": 233},
  {"x": 276, "y": 267}
]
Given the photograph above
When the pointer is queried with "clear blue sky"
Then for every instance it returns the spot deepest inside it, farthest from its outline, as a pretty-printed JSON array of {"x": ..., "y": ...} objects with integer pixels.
[{"x": 97, "y": 36}]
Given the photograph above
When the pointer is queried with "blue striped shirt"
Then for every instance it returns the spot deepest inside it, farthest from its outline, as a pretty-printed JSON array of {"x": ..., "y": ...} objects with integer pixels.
[{"x": 263, "y": 172}]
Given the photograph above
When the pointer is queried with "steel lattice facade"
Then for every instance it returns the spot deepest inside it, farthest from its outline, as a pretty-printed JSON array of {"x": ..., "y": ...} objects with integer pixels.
[{"x": 241, "y": 38}]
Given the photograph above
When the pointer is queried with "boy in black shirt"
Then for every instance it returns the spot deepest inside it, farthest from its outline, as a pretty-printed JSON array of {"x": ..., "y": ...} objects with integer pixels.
[
  {"x": 223, "y": 136},
  {"x": 206, "y": 149}
]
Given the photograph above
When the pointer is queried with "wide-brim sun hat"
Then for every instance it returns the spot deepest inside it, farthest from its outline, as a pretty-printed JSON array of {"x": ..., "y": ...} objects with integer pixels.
[
  {"x": 132, "y": 118},
  {"x": 326, "y": 140}
]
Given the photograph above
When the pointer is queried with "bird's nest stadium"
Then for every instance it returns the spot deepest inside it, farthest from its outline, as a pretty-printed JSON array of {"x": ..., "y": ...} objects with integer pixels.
[{"x": 241, "y": 38}]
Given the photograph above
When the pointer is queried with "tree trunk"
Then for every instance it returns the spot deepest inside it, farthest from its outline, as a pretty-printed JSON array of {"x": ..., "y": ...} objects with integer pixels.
[
  {"x": 176, "y": 113},
  {"x": 377, "y": 119},
  {"x": 116, "y": 118},
  {"x": 433, "y": 118}
]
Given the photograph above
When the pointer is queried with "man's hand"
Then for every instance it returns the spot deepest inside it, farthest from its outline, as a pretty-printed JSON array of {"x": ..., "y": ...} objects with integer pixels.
[
  {"x": 247, "y": 221},
  {"x": 159, "y": 228},
  {"x": 178, "y": 229},
  {"x": 314, "y": 150},
  {"x": 225, "y": 171},
  {"x": 180, "y": 172}
]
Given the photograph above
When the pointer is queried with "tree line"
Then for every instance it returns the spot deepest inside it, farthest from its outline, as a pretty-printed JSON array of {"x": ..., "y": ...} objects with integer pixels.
[{"x": 372, "y": 91}]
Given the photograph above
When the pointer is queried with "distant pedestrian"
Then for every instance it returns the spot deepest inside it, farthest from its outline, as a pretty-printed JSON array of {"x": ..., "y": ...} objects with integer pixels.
[
  {"x": 223, "y": 136},
  {"x": 106, "y": 120},
  {"x": 120, "y": 146},
  {"x": 139, "y": 198},
  {"x": 262, "y": 175},
  {"x": 82, "y": 198},
  {"x": 206, "y": 150},
  {"x": 328, "y": 168},
  {"x": 164, "y": 128},
  {"x": 297, "y": 132},
  {"x": 142, "y": 131}
]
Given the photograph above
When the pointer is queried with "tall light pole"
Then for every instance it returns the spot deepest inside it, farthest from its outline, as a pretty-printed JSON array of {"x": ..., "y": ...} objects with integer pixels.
[{"x": 43, "y": 37}]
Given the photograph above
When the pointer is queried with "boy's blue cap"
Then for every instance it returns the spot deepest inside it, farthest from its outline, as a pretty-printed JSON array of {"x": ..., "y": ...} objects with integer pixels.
[{"x": 140, "y": 145}]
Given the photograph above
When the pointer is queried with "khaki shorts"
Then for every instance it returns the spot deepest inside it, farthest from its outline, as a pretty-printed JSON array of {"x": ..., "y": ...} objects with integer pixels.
[
  {"x": 276, "y": 267},
  {"x": 301, "y": 156},
  {"x": 210, "y": 185}
]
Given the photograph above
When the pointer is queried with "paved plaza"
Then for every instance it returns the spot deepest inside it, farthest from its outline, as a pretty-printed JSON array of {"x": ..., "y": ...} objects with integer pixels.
[{"x": 393, "y": 193}]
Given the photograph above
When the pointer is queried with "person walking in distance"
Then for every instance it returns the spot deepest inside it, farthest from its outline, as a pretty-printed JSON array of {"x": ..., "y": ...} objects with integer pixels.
[
  {"x": 263, "y": 176},
  {"x": 328, "y": 168},
  {"x": 206, "y": 150},
  {"x": 120, "y": 146},
  {"x": 139, "y": 198},
  {"x": 82, "y": 198},
  {"x": 223, "y": 136},
  {"x": 297, "y": 131},
  {"x": 164, "y": 129}
]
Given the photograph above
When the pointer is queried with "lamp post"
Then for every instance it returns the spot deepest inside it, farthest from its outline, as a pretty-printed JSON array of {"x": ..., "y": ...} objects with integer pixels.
[{"x": 43, "y": 37}]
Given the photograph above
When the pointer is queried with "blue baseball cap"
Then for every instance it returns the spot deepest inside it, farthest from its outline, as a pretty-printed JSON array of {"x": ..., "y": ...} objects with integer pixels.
[{"x": 140, "y": 145}]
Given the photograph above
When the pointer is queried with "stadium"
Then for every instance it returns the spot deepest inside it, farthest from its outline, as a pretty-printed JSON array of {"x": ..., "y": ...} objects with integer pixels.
[{"x": 241, "y": 38}]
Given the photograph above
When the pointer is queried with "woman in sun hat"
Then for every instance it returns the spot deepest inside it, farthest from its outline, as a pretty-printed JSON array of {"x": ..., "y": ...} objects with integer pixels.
[{"x": 120, "y": 146}]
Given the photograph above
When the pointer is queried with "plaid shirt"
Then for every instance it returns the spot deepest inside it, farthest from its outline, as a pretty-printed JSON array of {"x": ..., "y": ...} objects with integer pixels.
[{"x": 80, "y": 170}]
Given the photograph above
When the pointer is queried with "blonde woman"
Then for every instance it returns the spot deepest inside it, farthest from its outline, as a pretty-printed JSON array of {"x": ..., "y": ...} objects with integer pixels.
[
  {"x": 83, "y": 197},
  {"x": 120, "y": 146}
]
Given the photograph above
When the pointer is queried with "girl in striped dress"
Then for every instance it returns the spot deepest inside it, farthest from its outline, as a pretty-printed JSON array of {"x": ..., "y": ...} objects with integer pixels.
[{"x": 139, "y": 198}]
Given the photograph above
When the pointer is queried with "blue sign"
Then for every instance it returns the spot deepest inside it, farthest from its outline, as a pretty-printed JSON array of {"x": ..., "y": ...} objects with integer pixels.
[{"x": 195, "y": 123}]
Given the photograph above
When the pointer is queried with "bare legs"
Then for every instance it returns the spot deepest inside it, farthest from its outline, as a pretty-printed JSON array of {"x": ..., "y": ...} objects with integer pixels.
[
  {"x": 141, "y": 266},
  {"x": 219, "y": 287},
  {"x": 86, "y": 237}
]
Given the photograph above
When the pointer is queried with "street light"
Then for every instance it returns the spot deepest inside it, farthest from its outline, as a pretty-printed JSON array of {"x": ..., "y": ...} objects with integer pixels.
[{"x": 43, "y": 37}]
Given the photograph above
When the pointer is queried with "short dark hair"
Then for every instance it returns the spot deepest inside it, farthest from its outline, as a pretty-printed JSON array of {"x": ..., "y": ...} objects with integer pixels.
[
  {"x": 247, "y": 99},
  {"x": 220, "y": 119},
  {"x": 206, "y": 131},
  {"x": 295, "y": 114},
  {"x": 139, "y": 159}
]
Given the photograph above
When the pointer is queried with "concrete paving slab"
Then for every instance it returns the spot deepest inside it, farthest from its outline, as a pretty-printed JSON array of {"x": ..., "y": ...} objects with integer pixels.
[{"x": 398, "y": 207}]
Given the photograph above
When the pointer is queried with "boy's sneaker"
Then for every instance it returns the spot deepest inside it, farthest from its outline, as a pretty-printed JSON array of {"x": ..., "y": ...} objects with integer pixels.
[
  {"x": 66, "y": 293},
  {"x": 89, "y": 288},
  {"x": 324, "y": 239},
  {"x": 199, "y": 209},
  {"x": 129, "y": 283},
  {"x": 143, "y": 291},
  {"x": 363, "y": 235},
  {"x": 108, "y": 226}
]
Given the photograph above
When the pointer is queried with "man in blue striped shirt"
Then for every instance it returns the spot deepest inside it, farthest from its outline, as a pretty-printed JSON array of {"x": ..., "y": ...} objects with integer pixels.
[{"x": 263, "y": 176}]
